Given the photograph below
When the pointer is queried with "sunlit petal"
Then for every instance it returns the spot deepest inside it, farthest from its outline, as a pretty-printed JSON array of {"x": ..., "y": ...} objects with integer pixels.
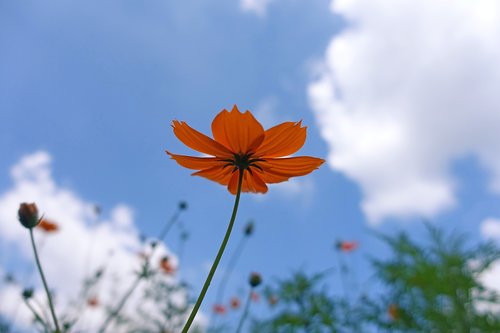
[
  {"x": 198, "y": 141},
  {"x": 196, "y": 163},
  {"x": 217, "y": 174},
  {"x": 239, "y": 132},
  {"x": 290, "y": 167},
  {"x": 282, "y": 140}
]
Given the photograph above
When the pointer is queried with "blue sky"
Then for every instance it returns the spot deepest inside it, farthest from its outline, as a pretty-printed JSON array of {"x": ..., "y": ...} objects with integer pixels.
[{"x": 96, "y": 85}]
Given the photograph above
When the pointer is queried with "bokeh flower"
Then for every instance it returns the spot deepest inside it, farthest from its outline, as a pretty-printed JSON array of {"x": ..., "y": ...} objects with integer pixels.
[
  {"x": 393, "y": 312},
  {"x": 240, "y": 144},
  {"x": 235, "y": 303},
  {"x": 93, "y": 302},
  {"x": 48, "y": 226},
  {"x": 347, "y": 246},
  {"x": 219, "y": 309},
  {"x": 166, "y": 265}
]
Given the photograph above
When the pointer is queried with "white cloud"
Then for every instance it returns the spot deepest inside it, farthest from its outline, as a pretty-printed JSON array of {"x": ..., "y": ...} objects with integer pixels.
[
  {"x": 258, "y": 7},
  {"x": 84, "y": 243},
  {"x": 490, "y": 228},
  {"x": 409, "y": 87}
]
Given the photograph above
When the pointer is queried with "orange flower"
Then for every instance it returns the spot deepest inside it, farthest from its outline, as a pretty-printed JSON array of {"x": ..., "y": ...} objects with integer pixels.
[
  {"x": 393, "y": 312},
  {"x": 346, "y": 246},
  {"x": 93, "y": 302},
  {"x": 219, "y": 309},
  {"x": 255, "y": 296},
  {"x": 273, "y": 300},
  {"x": 235, "y": 303},
  {"x": 166, "y": 265},
  {"x": 241, "y": 144},
  {"x": 48, "y": 226}
]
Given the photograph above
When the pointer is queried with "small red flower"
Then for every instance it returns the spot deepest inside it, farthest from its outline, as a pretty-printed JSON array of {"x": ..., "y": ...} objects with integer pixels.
[
  {"x": 235, "y": 303},
  {"x": 48, "y": 226},
  {"x": 347, "y": 246},
  {"x": 93, "y": 302},
  {"x": 393, "y": 312},
  {"x": 219, "y": 309},
  {"x": 272, "y": 300},
  {"x": 166, "y": 266},
  {"x": 255, "y": 296}
]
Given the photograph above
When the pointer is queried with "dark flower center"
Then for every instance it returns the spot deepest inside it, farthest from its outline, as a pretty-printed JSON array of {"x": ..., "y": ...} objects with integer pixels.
[{"x": 243, "y": 162}]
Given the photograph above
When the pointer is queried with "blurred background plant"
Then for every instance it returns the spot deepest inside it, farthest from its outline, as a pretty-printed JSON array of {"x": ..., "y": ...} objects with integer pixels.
[{"x": 431, "y": 286}]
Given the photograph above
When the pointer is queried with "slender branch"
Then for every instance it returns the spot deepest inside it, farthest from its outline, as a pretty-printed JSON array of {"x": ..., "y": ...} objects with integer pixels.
[
  {"x": 218, "y": 257},
  {"x": 38, "y": 318},
  {"x": 120, "y": 305},
  {"x": 113, "y": 314},
  {"x": 44, "y": 281},
  {"x": 230, "y": 267},
  {"x": 245, "y": 311},
  {"x": 169, "y": 225}
]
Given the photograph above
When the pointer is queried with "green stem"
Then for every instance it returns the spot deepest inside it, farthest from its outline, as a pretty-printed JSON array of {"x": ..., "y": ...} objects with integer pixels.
[
  {"x": 39, "y": 265},
  {"x": 218, "y": 257},
  {"x": 245, "y": 312},
  {"x": 112, "y": 315},
  {"x": 38, "y": 318},
  {"x": 125, "y": 298}
]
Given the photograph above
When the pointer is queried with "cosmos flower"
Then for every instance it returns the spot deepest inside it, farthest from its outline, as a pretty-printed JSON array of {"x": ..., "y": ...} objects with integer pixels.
[
  {"x": 240, "y": 144},
  {"x": 219, "y": 309},
  {"x": 93, "y": 302},
  {"x": 255, "y": 297},
  {"x": 347, "y": 246},
  {"x": 272, "y": 300},
  {"x": 166, "y": 266},
  {"x": 393, "y": 312},
  {"x": 235, "y": 303},
  {"x": 48, "y": 226}
]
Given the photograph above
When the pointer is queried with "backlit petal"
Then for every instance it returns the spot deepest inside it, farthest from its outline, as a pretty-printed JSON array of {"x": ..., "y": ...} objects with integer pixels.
[
  {"x": 275, "y": 169},
  {"x": 282, "y": 140},
  {"x": 253, "y": 183},
  {"x": 239, "y": 132},
  {"x": 217, "y": 174},
  {"x": 233, "y": 182},
  {"x": 198, "y": 141},
  {"x": 197, "y": 163}
]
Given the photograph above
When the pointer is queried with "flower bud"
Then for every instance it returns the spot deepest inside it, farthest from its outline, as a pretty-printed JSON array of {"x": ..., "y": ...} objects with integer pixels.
[
  {"x": 28, "y": 293},
  {"x": 249, "y": 228},
  {"x": 255, "y": 280},
  {"x": 183, "y": 205},
  {"x": 28, "y": 215}
]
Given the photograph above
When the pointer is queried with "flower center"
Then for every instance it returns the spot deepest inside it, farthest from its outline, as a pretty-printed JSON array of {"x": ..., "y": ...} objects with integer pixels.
[{"x": 243, "y": 162}]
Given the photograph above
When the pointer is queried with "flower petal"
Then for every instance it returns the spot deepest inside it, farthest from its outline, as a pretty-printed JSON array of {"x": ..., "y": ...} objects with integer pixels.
[
  {"x": 233, "y": 182},
  {"x": 252, "y": 182},
  {"x": 198, "y": 141},
  {"x": 197, "y": 163},
  {"x": 239, "y": 132},
  {"x": 282, "y": 140},
  {"x": 275, "y": 170},
  {"x": 217, "y": 174}
]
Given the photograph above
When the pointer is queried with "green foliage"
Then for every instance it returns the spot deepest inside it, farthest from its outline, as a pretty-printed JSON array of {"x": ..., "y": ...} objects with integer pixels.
[
  {"x": 303, "y": 306},
  {"x": 425, "y": 288},
  {"x": 434, "y": 288}
]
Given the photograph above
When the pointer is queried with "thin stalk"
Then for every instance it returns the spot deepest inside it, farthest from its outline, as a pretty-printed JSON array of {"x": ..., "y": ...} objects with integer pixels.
[
  {"x": 218, "y": 257},
  {"x": 230, "y": 267},
  {"x": 169, "y": 225},
  {"x": 38, "y": 318},
  {"x": 112, "y": 315},
  {"x": 125, "y": 298},
  {"x": 44, "y": 281},
  {"x": 245, "y": 311}
]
